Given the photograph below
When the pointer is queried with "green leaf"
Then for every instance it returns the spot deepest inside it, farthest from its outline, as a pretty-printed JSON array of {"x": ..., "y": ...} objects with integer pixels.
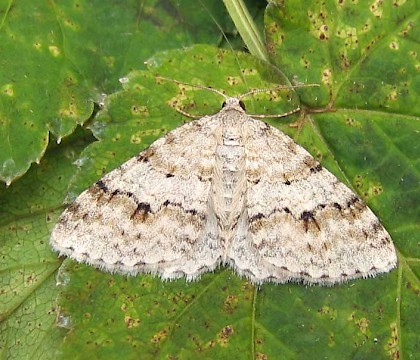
[
  {"x": 58, "y": 58},
  {"x": 28, "y": 288},
  {"x": 363, "y": 53},
  {"x": 369, "y": 143}
]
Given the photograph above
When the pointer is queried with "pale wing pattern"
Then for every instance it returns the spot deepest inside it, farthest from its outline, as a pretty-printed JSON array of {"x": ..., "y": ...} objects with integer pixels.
[
  {"x": 300, "y": 223},
  {"x": 152, "y": 213}
]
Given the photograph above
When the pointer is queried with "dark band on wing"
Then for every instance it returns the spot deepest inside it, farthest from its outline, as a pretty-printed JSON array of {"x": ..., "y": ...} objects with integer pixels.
[
  {"x": 354, "y": 204},
  {"x": 143, "y": 209}
]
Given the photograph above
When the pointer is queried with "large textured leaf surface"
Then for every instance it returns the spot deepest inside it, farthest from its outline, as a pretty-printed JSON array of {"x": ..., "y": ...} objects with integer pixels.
[
  {"x": 28, "y": 268},
  {"x": 57, "y": 58}
]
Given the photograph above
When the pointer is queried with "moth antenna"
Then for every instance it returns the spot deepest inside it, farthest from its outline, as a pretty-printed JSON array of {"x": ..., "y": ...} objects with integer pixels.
[
  {"x": 278, "y": 87},
  {"x": 194, "y": 86}
]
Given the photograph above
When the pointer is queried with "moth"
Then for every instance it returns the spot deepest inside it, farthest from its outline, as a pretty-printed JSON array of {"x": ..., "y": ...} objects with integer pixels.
[{"x": 225, "y": 190}]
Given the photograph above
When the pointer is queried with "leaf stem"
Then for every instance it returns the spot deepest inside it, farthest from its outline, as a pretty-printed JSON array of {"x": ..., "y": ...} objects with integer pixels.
[{"x": 246, "y": 28}]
